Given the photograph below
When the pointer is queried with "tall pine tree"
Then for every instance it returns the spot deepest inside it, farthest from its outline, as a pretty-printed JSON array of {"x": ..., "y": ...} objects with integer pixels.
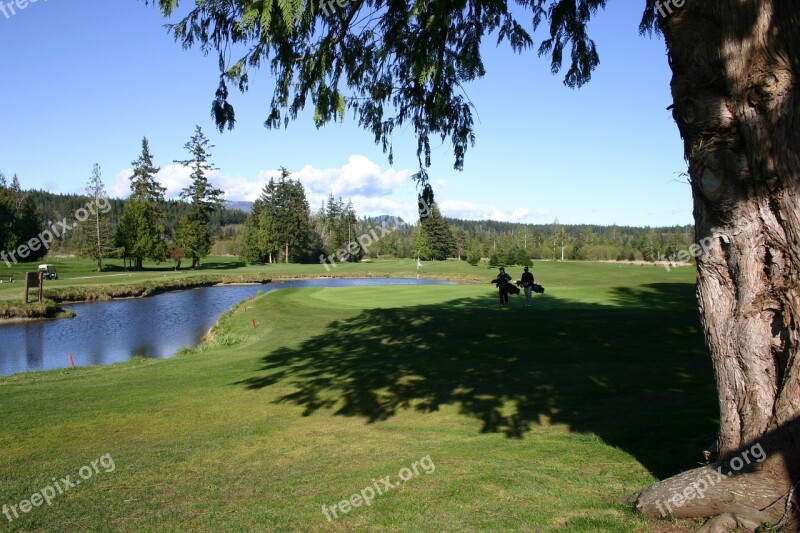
[
  {"x": 436, "y": 233},
  {"x": 97, "y": 237},
  {"x": 141, "y": 229},
  {"x": 193, "y": 233}
]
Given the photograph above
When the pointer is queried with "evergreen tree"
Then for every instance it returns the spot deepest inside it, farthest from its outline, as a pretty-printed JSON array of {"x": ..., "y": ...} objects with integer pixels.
[
  {"x": 280, "y": 224},
  {"x": 422, "y": 249},
  {"x": 20, "y": 223},
  {"x": 290, "y": 218},
  {"x": 142, "y": 225},
  {"x": 17, "y": 196},
  {"x": 349, "y": 224},
  {"x": 460, "y": 248},
  {"x": 97, "y": 237},
  {"x": 340, "y": 229},
  {"x": 267, "y": 231},
  {"x": 474, "y": 255},
  {"x": 333, "y": 239},
  {"x": 265, "y": 215},
  {"x": 7, "y": 216},
  {"x": 248, "y": 247},
  {"x": 438, "y": 237},
  {"x": 193, "y": 234},
  {"x": 522, "y": 257},
  {"x": 27, "y": 227}
]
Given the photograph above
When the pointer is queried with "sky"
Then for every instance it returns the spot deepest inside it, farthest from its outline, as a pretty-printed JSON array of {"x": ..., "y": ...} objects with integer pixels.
[{"x": 82, "y": 81}]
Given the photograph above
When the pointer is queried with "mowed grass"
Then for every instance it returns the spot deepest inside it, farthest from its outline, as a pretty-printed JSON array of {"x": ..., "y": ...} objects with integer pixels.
[
  {"x": 535, "y": 419},
  {"x": 82, "y": 272}
]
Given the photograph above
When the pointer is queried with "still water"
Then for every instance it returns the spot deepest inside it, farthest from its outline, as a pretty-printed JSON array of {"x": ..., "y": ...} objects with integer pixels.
[{"x": 157, "y": 327}]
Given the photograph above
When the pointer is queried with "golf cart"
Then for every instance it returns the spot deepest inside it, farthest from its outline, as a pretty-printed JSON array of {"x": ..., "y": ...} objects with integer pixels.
[{"x": 48, "y": 271}]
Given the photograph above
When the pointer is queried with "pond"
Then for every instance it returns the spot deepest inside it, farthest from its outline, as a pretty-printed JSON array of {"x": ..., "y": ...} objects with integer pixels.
[{"x": 157, "y": 327}]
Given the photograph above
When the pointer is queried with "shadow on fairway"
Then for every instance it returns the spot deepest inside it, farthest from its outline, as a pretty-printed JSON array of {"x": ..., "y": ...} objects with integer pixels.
[
  {"x": 635, "y": 373},
  {"x": 186, "y": 265}
]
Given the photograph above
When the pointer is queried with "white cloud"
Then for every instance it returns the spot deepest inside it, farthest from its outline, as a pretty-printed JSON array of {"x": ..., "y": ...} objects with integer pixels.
[
  {"x": 472, "y": 211},
  {"x": 373, "y": 190},
  {"x": 359, "y": 177},
  {"x": 121, "y": 188},
  {"x": 176, "y": 177}
]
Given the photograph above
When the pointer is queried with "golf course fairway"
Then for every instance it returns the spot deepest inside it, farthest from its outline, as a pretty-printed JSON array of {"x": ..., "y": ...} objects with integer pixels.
[{"x": 500, "y": 419}]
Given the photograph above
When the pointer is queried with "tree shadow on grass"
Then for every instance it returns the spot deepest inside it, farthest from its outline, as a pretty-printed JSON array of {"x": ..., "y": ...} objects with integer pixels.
[{"x": 635, "y": 372}]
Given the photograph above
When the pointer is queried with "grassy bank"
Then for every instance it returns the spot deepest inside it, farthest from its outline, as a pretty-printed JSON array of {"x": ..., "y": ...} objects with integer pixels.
[
  {"x": 79, "y": 281},
  {"x": 88, "y": 293},
  {"x": 535, "y": 419},
  {"x": 10, "y": 311}
]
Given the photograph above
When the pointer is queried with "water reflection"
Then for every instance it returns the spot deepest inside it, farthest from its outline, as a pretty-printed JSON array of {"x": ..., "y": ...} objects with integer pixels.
[{"x": 156, "y": 327}]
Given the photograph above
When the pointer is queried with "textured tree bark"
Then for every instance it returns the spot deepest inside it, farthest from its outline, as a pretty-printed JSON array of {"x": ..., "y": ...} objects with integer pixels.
[{"x": 735, "y": 67}]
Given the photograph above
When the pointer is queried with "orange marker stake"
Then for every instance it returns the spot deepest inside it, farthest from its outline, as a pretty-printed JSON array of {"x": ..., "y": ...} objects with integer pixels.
[
  {"x": 254, "y": 323},
  {"x": 71, "y": 360}
]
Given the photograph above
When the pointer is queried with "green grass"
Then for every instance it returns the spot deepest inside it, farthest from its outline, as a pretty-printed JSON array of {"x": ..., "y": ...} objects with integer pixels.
[{"x": 535, "y": 419}]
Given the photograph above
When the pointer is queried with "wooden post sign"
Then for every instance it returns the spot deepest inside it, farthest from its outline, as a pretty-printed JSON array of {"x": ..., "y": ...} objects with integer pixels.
[{"x": 34, "y": 280}]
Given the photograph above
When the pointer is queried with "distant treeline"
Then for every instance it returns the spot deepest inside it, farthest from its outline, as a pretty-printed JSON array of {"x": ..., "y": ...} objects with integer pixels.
[
  {"x": 54, "y": 207},
  {"x": 514, "y": 243},
  {"x": 335, "y": 227},
  {"x": 577, "y": 241}
]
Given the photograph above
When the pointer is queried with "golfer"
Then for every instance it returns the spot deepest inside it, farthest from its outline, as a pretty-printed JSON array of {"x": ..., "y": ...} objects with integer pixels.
[
  {"x": 527, "y": 284},
  {"x": 502, "y": 283}
]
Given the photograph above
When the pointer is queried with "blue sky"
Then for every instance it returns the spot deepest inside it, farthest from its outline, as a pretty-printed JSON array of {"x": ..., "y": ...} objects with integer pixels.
[{"x": 84, "y": 80}]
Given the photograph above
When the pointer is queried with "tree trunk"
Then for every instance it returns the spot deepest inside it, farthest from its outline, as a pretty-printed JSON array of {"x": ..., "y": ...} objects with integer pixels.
[
  {"x": 737, "y": 105},
  {"x": 286, "y": 254},
  {"x": 99, "y": 240}
]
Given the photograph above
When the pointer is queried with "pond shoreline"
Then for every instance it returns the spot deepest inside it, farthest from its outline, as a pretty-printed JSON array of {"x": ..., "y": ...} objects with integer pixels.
[
  {"x": 50, "y": 309},
  {"x": 108, "y": 332}
]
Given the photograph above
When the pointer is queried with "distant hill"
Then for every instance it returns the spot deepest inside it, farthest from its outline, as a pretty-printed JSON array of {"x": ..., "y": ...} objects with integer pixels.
[
  {"x": 247, "y": 207},
  {"x": 389, "y": 219}
]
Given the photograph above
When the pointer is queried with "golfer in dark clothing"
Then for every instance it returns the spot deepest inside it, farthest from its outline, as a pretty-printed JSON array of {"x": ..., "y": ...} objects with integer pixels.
[
  {"x": 527, "y": 284},
  {"x": 502, "y": 281}
]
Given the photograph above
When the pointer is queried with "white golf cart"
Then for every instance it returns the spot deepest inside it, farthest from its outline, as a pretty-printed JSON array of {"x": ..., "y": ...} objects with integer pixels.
[{"x": 48, "y": 271}]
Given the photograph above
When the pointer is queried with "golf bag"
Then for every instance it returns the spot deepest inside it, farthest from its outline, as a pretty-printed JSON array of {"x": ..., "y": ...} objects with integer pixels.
[{"x": 535, "y": 287}]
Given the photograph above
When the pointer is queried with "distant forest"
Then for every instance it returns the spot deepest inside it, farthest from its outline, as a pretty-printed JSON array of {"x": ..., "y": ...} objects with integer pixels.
[
  {"x": 492, "y": 241},
  {"x": 55, "y": 207}
]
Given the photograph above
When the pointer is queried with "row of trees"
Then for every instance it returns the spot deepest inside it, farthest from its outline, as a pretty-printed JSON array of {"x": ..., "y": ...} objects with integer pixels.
[
  {"x": 20, "y": 221},
  {"x": 144, "y": 226},
  {"x": 281, "y": 228},
  {"x": 148, "y": 226},
  {"x": 225, "y": 222},
  {"x": 142, "y": 233}
]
